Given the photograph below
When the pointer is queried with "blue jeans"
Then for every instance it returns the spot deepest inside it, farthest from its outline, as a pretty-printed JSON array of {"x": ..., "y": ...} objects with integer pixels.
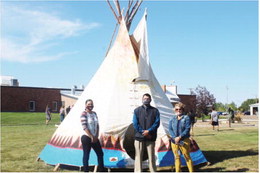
[{"x": 62, "y": 117}]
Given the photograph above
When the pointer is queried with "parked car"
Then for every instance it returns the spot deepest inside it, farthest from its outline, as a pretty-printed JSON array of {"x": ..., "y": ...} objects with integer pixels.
[
  {"x": 247, "y": 113},
  {"x": 220, "y": 113},
  {"x": 225, "y": 113}
]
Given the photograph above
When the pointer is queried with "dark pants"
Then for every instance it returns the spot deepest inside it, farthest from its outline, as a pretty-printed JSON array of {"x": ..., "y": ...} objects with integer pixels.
[
  {"x": 62, "y": 117},
  {"x": 87, "y": 145}
]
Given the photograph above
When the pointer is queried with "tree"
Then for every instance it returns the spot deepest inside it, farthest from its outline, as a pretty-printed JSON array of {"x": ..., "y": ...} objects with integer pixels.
[
  {"x": 224, "y": 107},
  {"x": 232, "y": 105},
  {"x": 204, "y": 100},
  {"x": 220, "y": 107},
  {"x": 245, "y": 105}
]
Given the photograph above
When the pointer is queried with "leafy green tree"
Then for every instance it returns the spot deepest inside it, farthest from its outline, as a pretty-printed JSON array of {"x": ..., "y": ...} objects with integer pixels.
[
  {"x": 245, "y": 105},
  {"x": 220, "y": 107},
  {"x": 204, "y": 100},
  {"x": 232, "y": 105},
  {"x": 224, "y": 107}
]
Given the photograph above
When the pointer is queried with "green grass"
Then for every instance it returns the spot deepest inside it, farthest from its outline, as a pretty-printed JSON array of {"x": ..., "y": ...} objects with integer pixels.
[
  {"x": 230, "y": 149},
  {"x": 26, "y": 118},
  {"x": 24, "y": 135}
]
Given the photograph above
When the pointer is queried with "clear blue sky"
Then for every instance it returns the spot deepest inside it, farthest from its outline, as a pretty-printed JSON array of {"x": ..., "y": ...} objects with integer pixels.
[{"x": 63, "y": 43}]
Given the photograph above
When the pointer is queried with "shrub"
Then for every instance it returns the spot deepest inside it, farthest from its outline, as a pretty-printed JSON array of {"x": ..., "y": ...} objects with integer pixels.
[{"x": 238, "y": 117}]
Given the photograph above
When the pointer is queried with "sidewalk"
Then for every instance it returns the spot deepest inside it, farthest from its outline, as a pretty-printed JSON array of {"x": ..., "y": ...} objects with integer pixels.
[{"x": 246, "y": 121}]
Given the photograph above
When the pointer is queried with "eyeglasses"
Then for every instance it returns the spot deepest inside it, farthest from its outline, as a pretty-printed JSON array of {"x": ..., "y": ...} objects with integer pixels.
[{"x": 178, "y": 109}]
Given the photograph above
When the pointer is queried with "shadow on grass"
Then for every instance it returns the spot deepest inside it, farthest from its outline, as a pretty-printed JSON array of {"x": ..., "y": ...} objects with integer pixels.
[
  {"x": 184, "y": 169},
  {"x": 221, "y": 169},
  {"x": 219, "y": 156},
  {"x": 206, "y": 169},
  {"x": 205, "y": 135},
  {"x": 226, "y": 130}
]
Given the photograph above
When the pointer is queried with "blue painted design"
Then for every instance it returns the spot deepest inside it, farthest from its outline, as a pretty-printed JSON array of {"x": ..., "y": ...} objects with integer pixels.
[
  {"x": 167, "y": 158},
  {"x": 118, "y": 155},
  {"x": 54, "y": 155},
  {"x": 67, "y": 156}
]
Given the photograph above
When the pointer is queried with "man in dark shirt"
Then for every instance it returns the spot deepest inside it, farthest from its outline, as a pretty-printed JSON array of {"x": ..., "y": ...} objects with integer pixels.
[
  {"x": 146, "y": 121},
  {"x": 68, "y": 110}
]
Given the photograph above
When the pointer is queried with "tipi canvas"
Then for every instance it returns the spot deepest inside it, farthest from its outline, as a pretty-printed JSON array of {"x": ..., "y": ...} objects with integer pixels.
[{"x": 116, "y": 89}]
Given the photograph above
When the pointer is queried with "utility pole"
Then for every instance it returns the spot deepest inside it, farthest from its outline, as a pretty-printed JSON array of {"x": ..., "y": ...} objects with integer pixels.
[
  {"x": 227, "y": 95},
  {"x": 191, "y": 89}
]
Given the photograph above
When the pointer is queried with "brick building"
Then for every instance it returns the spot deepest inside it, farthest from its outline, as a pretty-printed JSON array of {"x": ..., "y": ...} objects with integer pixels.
[
  {"x": 29, "y": 99},
  {"x": 35, "y": 99},
  {"x": 189, "y": 101}
]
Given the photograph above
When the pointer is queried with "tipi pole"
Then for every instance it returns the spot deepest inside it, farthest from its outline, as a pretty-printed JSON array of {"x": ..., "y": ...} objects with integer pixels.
[
  {"x": 56, "y": 167},
  {"x": 95, "y": 168},
  {"x": 129, "y": 7},
  {"x": 117, "y": 18},
  {"x": 117, "y": 7},
  {"x": 111, "y": 39},
  {"x": 133, "y": 13},
  {"x": 38, "y": 158}
]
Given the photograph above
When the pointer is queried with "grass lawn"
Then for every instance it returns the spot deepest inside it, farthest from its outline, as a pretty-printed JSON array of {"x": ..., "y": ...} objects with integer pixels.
[
  {"x": 230, "y": 149},
  {"x": 24, "y": 135}
]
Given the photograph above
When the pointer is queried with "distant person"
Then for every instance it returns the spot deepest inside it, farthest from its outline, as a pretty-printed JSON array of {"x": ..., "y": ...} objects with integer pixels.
[
  {"x": 146, "y": 120},
  {"x": 62, "y": 113},
  {"x": 214, "y": 118},
  {"x": 90, "y": 125},
  {"x": 179, "y": 129},
  {"x": 193, "y": 120},
  {"x": 48, "y": 114},
  {"x": 231, "y": 116},
  {"x": 68, "y": 110}
]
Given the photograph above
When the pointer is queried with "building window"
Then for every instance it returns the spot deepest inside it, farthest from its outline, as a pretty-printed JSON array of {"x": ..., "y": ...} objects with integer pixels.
[
  {"x": 55, "y": 106},
  {"x": 31, "y": 105}
]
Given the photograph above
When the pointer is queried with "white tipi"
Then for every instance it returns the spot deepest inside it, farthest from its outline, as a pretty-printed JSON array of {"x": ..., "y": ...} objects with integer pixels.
[{"x": 116, "y": 89}]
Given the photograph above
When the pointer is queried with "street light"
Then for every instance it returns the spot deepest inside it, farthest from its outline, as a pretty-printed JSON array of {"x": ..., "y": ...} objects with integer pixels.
[{"x": 227, "y": 93}]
